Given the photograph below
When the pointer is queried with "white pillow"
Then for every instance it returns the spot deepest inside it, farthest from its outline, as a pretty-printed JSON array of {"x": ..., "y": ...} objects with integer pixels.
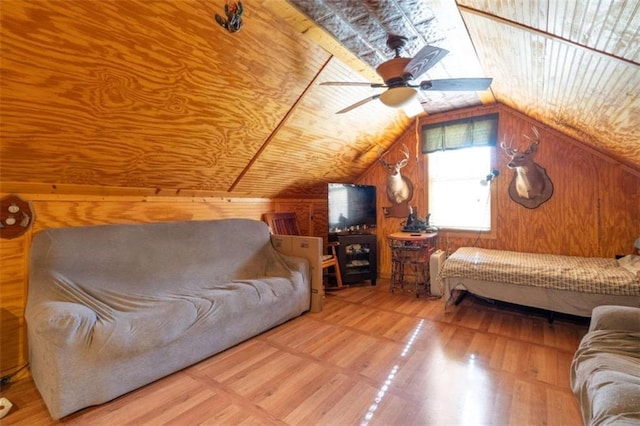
[{"x": 631, "y": 263}]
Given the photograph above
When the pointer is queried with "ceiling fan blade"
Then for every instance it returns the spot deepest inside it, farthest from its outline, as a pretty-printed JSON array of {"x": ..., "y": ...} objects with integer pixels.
[
  {"x": 427, "y": 57},
  {"x": 453, "y": 84},
  {"x": 351, "y": 83},
  {"x": 357, "y": 104}
]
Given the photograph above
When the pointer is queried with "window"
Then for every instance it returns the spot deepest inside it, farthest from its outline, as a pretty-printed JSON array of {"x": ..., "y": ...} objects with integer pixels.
[
  {"x": 460, "y": 156},
  {"x": 459, "y": 194}
]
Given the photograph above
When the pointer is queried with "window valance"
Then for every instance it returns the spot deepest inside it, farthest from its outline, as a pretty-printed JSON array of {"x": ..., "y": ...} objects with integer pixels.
[{"x": 462, "y": 133}]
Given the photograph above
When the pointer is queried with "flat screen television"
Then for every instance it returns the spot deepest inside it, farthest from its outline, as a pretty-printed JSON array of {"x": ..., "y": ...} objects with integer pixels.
[{"x": 352, "y": 208}]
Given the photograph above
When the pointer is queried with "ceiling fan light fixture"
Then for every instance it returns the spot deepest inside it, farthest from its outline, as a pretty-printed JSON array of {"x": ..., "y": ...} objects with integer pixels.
[
  {"x": 413, "y": 108},
  {"x": 398, "y": 96}
]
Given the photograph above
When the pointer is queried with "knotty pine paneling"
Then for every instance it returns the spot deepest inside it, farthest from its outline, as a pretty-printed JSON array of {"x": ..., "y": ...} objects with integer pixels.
[
  {"x": 155, "y": 95},
  {"x": 377, "y": 175},
  {"x": 311, "y": 214},
  {"x": 594, "y": 211},
  {"x": 13, "y": 267},
  {"x": 303, "y": 214},
  {"x": 94, "y": 212},
  {"x": 618, "y": 194},
  {"x": 133, "y": 94},
  {"x": 308, "y": 151},
  {"x": 59, "y": 210},
  {"x": 567, "y": 64}
]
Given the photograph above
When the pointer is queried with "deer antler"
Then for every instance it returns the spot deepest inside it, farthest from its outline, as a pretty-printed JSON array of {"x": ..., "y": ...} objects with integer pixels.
[
  {"x": 534, "y": 140},
  {"x": 381, "y": 155},
  {"x": 508, "y": 148},
  {"x": 535, "y": 132},
  {"x": 400, "y": 164},
  {"x": 404, "y": 161}
]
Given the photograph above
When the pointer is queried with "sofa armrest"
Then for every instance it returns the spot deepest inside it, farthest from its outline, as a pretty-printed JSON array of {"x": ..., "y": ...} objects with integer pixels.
[
  {"x": 309, "y": 248},
  {"x": 64, "y": 323},
  {"x": 610, "y": 317}
]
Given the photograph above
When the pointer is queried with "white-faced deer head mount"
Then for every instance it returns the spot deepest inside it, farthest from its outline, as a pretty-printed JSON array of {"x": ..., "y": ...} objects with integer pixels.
[
  {"x": 530, "y": 185},
  {"x": 399, "y": 188}
]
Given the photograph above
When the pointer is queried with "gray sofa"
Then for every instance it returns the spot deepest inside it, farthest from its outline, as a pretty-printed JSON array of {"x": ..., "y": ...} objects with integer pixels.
[
  {"x": 111, "y": 308},
  {"x": 605, "y": 374}
]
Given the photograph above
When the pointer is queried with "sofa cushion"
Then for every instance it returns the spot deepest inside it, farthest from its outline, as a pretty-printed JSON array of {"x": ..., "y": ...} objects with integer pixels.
[{"x": 158, "y": 256}]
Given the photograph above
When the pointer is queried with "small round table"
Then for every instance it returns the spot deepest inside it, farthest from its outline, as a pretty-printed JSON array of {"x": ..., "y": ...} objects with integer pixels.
[{"x": 410, "y": 253}]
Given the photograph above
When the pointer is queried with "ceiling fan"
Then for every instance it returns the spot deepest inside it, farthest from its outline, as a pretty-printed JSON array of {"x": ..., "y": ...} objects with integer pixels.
[{"x": 399, "y": 74}]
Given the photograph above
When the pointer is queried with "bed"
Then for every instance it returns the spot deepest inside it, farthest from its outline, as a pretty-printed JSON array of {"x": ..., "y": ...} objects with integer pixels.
[{"x": 566, "y": 284}]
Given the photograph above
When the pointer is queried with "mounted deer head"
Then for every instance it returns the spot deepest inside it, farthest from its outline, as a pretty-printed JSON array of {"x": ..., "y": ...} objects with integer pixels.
[
  {"x": 530, "y": 185},
  {"x": 399, "y": 188}
]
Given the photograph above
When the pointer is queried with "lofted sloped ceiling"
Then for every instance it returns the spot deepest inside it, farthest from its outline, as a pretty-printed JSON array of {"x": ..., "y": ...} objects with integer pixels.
[
  {"x": 153, "y": 96},
  {"x": 573, "y": 65},
  {"x": 363, "y": 27},
  {"x": 156, "y": 97}
]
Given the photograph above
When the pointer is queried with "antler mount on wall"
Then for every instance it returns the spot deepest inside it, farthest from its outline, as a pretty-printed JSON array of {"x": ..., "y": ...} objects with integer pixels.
[
  {"x": 530, "y": 185},
  {"x": 399, "y": 188}
]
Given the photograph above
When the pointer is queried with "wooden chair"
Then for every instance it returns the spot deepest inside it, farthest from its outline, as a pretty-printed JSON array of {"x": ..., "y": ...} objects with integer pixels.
[{"x": 286, "y": 223}]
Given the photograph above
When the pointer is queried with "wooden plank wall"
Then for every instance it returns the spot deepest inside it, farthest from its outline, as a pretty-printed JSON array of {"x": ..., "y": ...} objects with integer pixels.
[
  {"x": 594, "y": 211},
  {"x": 60, "y": 210}
]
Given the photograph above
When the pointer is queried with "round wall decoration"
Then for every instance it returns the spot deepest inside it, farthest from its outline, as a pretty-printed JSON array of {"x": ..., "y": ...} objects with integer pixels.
[{"x": 15, "y": 216}]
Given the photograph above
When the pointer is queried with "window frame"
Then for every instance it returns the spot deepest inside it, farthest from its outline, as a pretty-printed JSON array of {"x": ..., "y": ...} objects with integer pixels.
[
  {"x": 467, "y": 234},
  {"x": 491, "y": 234}
]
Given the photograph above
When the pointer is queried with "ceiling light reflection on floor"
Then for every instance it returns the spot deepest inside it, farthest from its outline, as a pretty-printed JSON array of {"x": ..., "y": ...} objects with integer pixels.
[
  {"x": 474, "y": 403},
  {"x": 412, "y": 339},
  {"x": 392, "y": 374}
]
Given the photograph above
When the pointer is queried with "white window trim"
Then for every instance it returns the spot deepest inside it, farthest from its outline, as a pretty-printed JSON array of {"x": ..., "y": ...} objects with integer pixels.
[{"x": 468, "y": 233}]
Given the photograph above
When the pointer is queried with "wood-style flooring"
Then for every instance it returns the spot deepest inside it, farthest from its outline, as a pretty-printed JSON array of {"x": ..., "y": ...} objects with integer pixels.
[{"x": 371, "y": 357}]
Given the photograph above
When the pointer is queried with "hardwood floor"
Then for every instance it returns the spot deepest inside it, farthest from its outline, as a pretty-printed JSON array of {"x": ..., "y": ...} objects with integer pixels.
[{"x": 371, "y": 357}]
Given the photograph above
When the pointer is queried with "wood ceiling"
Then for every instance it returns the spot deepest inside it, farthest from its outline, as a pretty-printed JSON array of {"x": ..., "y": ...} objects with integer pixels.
[
  {"x": 574, "y": 66},
  {"x": 155, "y": 96}
]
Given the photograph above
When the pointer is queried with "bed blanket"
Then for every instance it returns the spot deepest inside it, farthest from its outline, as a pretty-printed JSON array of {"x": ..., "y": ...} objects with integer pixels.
[{"x": 571, "y": 273}]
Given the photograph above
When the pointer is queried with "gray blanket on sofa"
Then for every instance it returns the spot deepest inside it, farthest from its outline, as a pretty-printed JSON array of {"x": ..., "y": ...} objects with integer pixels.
[
  {"x": 111, "y": 308},
  {"x": 605, "y": 373}
]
